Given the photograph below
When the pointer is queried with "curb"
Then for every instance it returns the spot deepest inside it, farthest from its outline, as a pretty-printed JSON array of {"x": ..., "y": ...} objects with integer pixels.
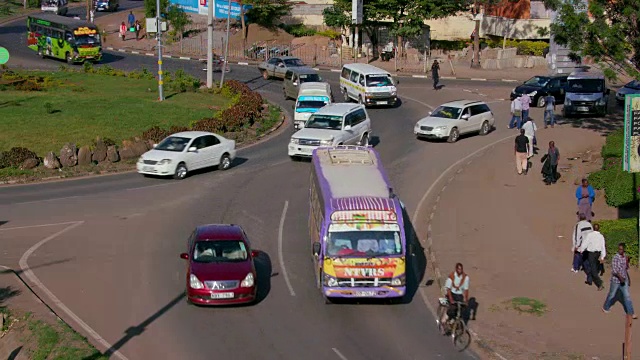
[{"x": 328, "y": 69}]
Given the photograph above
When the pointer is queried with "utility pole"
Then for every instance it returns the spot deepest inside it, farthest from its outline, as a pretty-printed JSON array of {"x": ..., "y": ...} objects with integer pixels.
[
  {"x": 210, "y": 43},
  {"x": 627, "y": 338},
  {"x": 226, "y": 45},
  {"x": 159, "y": 37},
  {"x": 89, "y": 2},
  {"x": 476, "y": 39}
]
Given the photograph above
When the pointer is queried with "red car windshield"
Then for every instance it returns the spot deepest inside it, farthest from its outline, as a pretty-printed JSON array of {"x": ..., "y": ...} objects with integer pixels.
[{"x": 219, "y": 251}]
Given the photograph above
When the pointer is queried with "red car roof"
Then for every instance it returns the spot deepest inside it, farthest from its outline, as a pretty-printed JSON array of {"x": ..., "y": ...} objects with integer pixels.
[{"x": 219, "y": 232}]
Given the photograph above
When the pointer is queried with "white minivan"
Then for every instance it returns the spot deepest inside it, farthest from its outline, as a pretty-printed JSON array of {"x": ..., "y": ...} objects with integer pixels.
[
  {"x": 59, "y": 7},
  {"x": 368, "y": 85},
  {"x": 334, "y": 124},
  {"x": 311, "y": 97}
]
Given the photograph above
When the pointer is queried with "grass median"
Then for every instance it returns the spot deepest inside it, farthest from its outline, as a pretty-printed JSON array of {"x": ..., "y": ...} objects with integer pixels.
[{"x": 78, "y": 107}]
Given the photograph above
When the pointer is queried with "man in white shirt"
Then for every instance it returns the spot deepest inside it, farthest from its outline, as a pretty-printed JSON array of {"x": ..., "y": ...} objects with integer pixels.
[
  {"x": 529, "y": 128},
  {"x": 516, "y": 113},
  {"x": 457, "y": 286},
  {"x": 580, "y": 231},
  {"x": 594, "y": 245}
]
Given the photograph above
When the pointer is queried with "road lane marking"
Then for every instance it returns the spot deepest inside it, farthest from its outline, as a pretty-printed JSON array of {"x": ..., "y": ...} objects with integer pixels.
[
  {"x": 37, "y": 226},
  {"x": 418, "y": 101},
  {"x": 280, "y": 256},
  {"x": 342, "y": 357},
  {"x": 24, "y": 266}
]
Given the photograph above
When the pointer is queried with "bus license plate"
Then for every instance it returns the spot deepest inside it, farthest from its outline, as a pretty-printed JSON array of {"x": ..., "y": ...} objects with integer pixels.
[
  {"x": 365, "y": 293},
  {"x": 224, "y": 295},
  {"x": 147, "y": 168},
  {"x": 583, "y": 108},
  {"x": 383, "y": 102}
]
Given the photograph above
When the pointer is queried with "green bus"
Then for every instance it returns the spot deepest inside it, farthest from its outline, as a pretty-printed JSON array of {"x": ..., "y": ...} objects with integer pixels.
[{"x": 64, "y": 38}]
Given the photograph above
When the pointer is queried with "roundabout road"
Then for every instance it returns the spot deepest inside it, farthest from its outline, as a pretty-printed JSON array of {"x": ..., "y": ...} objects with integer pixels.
[{"x": 105, "y": 249}]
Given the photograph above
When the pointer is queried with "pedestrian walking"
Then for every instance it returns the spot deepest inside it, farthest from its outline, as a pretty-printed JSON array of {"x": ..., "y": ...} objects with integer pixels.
[
  {"x": 138, "y": 27},
  {"x": 530, "y": 129},
  {"x": 550, "y": 166},
  {"x": 131, "y": 19},
  {"x": 435, "y": 74},
  {"x": 586, "y": 196},
  {"x": 516, "y": 113},
  {"x": 525, "y": 100},
  {"x": 580, "y": 231},
  {"x": 521, "y": 150},
  {"x": 620, "y": 281},
  {"x": 549, "y": 111},
  {"x": 123, "y": 30},
  {"x": 594, "y": 245}
]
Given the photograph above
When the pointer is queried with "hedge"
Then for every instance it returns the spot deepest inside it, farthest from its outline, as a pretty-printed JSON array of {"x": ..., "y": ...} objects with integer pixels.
[
  {"x": 618, "y": 185},
  {"x": 617, "y": 231},
  {"x": 614, "y": 145},
  {"x": 525, "y": 47}
]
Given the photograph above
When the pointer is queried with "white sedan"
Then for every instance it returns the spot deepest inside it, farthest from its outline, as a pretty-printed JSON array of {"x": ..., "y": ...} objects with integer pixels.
[{"x": 186, "y": 151}]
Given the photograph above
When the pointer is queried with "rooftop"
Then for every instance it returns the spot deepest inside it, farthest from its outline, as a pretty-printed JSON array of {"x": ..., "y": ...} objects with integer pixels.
[
  {"x": 353, "y": 171},
  {"x": 462, "y": 103},
  {"x": 366, "y": 69},
  {"x": 64, "y": 20}
]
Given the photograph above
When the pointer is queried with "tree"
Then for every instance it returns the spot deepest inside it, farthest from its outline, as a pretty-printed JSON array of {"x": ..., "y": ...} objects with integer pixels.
[
  {"x": 150, "y": 8},
  {"x": 611, "y": 36},
  {"x": 178, "y": 19},
  {"x": 267, "y": 12}
]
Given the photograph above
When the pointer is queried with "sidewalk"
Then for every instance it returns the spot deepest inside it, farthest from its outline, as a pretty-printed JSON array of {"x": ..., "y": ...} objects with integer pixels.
[
  {"x": 147, "y": 46},
  {"x": 513, "y": 233}
]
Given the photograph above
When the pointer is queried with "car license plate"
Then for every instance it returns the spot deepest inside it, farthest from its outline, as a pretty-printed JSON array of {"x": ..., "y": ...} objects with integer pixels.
[
  {"x": 224, "y": 295},
  {"x": 366, "y": 293},
  {"x": 147, "y": 168},
  {"x": 383, "y": 102},
  {"x": 582, "y": 108}
]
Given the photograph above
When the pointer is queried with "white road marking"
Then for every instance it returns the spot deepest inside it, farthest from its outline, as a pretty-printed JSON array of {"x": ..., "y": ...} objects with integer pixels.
[
  {"x": 478, "y": 79},
  {"x": 418, "y": 101},
  {"x": 342, "y": 357},
  {"x": 280, "y": 256},
  {"x": 336, "y": 70},
  {"x": 135, "y": 52},
  {"x": 184, "y": 58},
  {"x": 243, "y": 63},
  {"x": 37, "y": 226},
  {"x": 53, "y": 199},
  {"x": 34, "y": 280},
  {"x": 150, "y": 54}
]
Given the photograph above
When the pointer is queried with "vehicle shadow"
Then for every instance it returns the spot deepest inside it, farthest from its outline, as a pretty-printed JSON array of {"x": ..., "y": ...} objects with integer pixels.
[
  {"x": 236, "y": 162},
  {"x": 109, "y": 58},
  {"x": 4, "y": 222}
]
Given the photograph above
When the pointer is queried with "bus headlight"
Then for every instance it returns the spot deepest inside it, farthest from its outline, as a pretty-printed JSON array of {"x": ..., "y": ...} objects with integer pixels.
[
  {"x": 330, "y": 281},
  {"x": 399, "y": 281}
]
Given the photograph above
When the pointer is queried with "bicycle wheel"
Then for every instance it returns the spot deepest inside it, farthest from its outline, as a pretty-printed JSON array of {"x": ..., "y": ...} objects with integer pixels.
[{"x": 462, "y": 336}]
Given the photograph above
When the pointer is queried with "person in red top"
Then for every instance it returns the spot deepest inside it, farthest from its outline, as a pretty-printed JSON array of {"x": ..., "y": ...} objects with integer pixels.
[{"x": 123, "y": 30}]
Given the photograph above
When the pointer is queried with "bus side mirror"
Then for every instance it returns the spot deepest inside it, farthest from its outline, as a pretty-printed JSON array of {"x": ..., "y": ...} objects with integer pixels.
[{"x": 316, "y": 249}]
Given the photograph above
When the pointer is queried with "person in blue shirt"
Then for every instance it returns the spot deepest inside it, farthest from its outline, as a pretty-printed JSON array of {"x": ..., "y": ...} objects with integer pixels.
[
  {"x": 131, "y": 19},
  {"x": 585, "y": 195}
]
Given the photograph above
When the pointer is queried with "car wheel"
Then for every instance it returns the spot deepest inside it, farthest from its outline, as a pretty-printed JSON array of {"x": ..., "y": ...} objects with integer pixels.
[
  {"x": 265, "y": 75},
  {"x": 181, "y": 172},
  {"x": 541, "y": 101},
  {"x": 286, "y": 97},
  {"x": 453, "y": 135},
  {"x": 293, "y": 158},
  {"x": 345, "y": 95},
  {"x": 225, "y": 162},
  {"x": 68, "y": 58},
  {"x": 365, "y": 140},
  {"x": 484, "y": 129}
]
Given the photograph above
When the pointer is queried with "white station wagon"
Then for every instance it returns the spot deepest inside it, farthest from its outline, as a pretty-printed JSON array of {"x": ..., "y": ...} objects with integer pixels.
[
  {"x": 333, "y": 124},
  {"x": 450, "y": 120},
  {"x": 186, "y": 151}
]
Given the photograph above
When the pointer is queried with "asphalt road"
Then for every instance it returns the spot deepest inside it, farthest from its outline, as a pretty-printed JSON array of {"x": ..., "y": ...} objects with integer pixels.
[{"x": 118, "y": 270}]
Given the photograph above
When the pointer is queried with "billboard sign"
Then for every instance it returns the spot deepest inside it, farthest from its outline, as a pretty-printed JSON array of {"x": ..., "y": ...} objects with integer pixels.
[
  {"x": 631, "y": 154},
  {"x": 220, "y": 9}
]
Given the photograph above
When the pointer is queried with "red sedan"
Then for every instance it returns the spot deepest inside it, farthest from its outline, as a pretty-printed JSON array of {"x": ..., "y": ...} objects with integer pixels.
[{"x": 220, "y": 266}]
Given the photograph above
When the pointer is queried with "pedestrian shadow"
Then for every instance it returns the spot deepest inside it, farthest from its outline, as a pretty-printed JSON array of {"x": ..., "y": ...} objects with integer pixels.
[{"x": 440, "y": 87}]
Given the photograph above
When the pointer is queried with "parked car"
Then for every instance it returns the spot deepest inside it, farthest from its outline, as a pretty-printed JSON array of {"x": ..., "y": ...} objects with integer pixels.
[
  {"x": 277, "y": 66},
  {"x": 632, "y": 87},
  {"x": 220, "y": 268},
  {"x": 183, "y": 152},
  {"x": 540, "y": 86},
  {"x": 450, "y": 120},
  {"x": 333, "y": 124}
]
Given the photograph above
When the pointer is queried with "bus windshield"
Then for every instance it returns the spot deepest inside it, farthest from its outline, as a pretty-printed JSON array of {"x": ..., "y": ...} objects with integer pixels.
[
  {"x": 87, "y": 39},
  {"x": 360, "y": 243}
]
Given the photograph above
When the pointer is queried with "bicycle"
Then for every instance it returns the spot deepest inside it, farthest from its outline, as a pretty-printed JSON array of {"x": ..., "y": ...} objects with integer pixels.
[{"x": 455, "y": 327}]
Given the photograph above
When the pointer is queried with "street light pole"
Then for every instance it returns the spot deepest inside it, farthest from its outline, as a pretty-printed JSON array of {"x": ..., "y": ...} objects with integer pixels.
[
  {"x": 210, "y": 5},
  {"x": 476, "y": 39},
  {"x": 159, "y": 38},
  {"x": 226, "y": 45}
]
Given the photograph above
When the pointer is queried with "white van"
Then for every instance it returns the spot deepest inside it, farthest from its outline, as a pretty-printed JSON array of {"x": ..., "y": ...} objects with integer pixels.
[
  {"x": 59, "y": 7},
  {"x": 311, "y": 97},
  {"x": 368, "y": 85}
]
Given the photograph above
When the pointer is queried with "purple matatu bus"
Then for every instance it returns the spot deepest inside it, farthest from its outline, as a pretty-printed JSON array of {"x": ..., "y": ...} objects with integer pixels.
[{"x": 356, "y": 225}]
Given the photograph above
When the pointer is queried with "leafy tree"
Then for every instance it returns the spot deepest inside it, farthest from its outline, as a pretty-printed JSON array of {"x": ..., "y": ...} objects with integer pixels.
[
  {"x": 150, "y": 8},
  {"x": 267, "y": 12},
  {"x": 178, "y": 19},
  {"x": 611, "y": 36}
]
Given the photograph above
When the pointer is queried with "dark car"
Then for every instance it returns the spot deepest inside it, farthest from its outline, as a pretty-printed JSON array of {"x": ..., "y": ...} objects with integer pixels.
[
  {"x": 220, "y": 266},
  {"x": 540, "y": 86},
  {"x": 632, "y": 87}
]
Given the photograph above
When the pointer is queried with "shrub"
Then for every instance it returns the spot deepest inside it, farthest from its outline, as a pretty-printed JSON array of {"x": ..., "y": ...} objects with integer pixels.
[
  {"x": 155, "y": 134},
  {"x": 182, "y": 82},
  {"x": 298, "y": 30},
  {"x": 16, "y": 156},
  {"x": 622, "y": 230},
  {"x": 48, "y": 107},
  {"x": 330, "y": 33},
  {"x": 88, "y": 67},
  {"x": 213, "y": 125},
  {"x": 619, "y": 186},
  {"x": 614, "y": 145},
  {"x": 525, "y": 47}
]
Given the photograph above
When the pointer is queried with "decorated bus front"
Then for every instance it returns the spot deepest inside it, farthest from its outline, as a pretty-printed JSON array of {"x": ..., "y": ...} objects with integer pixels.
[
  {"x": 364, "y": 254},
  {"x": 87, "y": 44}
]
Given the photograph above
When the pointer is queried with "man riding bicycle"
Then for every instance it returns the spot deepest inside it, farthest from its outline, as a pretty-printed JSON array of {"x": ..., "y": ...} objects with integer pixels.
[{"x": 457, "y": 285}]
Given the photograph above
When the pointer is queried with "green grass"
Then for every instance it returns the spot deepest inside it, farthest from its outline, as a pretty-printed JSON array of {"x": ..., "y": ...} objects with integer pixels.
[
  {"x": 91, "y": 105},
  {"x": 47, "y": 338},
  {"x": 59, "y": 342},
  {"x": 528, "y": 306},
  {"x": 270, "y": 121}
]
